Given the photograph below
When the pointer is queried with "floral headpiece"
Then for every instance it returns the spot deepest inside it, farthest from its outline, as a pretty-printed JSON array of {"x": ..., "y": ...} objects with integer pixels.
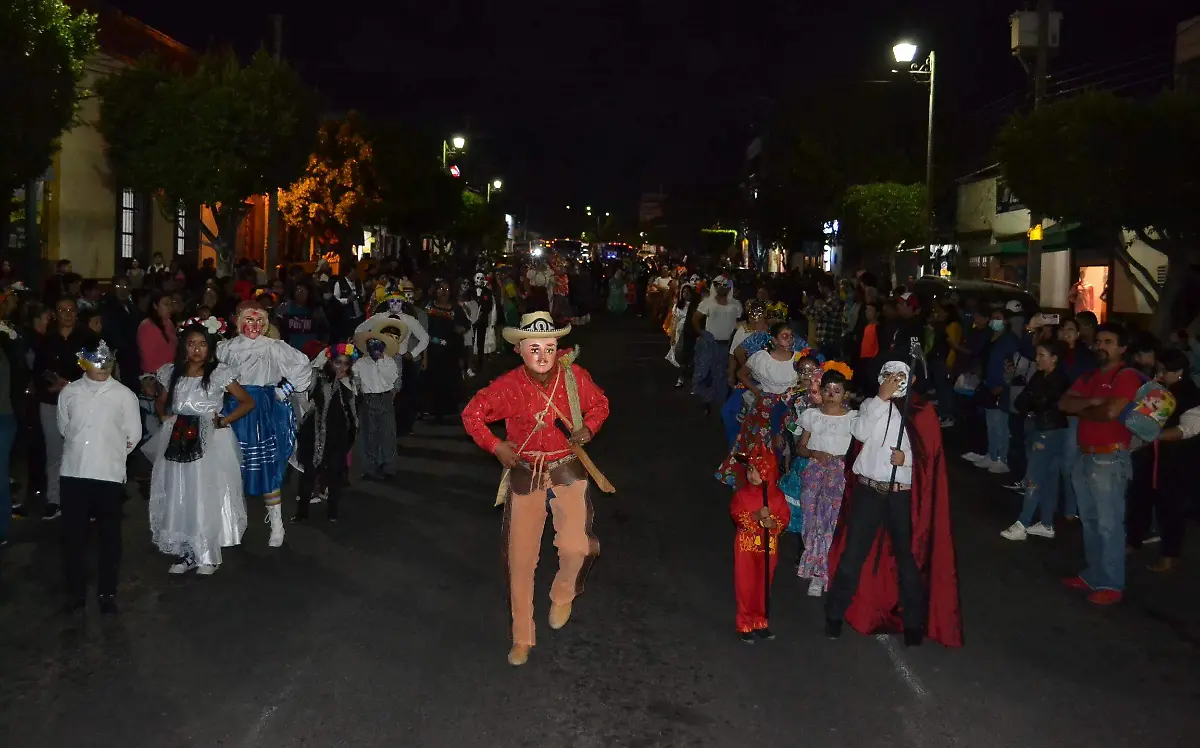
[
  {"x": 266, "y": 296},
  {"x": 214, "y": 325},
  {"x": 777, "y": 310},
  {"x": 342, "y": 349},
  {"x": 840, "y": 367},
  {"x": 102, "y": 357},
  {"x": 807, "y": 352},
  {"x": 755, "y": 309}
]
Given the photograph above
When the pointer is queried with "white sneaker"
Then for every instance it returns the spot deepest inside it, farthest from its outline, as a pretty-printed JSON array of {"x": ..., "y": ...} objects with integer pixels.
[
  {"x": 1042, "y": 530},
  {"x": 815, "y": 587},
  {"x": 985, "y": 463},
  {"x": 947, "y": 423},
  {"x": 974, "y": 457},
  {"x": 999, "y": 467},
  {"x": 1152, "y": 540},
  {"x": 1016, "y": 532},
  {"x": 275, "y": 519},
  {"x": 207, "y": 569},
  {"x": 182, "y": 567}
]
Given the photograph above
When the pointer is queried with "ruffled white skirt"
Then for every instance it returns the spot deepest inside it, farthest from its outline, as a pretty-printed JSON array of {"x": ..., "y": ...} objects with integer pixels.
[{"x": 197, "y": 508}]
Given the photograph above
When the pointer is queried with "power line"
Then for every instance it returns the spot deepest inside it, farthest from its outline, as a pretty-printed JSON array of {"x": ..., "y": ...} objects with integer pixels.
[
  {"x": 1140, "y": 62},
  {"x": 1105, "y": 85}
]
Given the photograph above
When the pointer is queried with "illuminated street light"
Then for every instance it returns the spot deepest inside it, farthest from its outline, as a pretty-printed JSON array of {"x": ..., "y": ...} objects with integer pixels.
[
  {"x": 606, "y": 215},
  {"x": 495, "y": 184},
  {"x": 905, "y": 52},
  {"x": 459, "y": 142}
]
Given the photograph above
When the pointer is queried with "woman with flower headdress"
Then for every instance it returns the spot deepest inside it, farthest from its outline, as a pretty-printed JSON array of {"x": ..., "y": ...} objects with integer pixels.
[
  {"x": 749, "y": 338},
  {"x": 824, "y": 440},
  {"x": 327, "y": 434},
  {"x": 196, "y": 501},
  {"x": 442, "y": 372}
]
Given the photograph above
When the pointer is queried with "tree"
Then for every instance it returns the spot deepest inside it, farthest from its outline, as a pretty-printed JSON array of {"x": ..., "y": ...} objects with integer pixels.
[
  {"x": 41, "y": 69},
  {"x": 877, "y": 218},
  {"x": 216, "y": 136},
  {"x": 479, "y": 229},
  {"x": 1124, "y": 168},
  {"x": 417, "y": 197},
  {"x": 339, "y": 188}
]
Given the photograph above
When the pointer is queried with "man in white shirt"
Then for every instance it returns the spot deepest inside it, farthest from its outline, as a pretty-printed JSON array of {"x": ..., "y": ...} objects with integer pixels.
[
  {"x": 380, "y": 378},
  {"x": 715, "y": 320},
  {"x": 100, "y": 424},
  {"x": 412, "y": 347}
]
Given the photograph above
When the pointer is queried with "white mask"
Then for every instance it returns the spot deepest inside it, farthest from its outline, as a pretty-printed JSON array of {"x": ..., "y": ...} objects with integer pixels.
[{"x": 892, "y": 368}]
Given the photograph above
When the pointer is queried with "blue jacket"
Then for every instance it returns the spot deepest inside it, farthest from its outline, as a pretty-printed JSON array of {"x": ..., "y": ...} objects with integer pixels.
[{"x": 999, "y": 351}]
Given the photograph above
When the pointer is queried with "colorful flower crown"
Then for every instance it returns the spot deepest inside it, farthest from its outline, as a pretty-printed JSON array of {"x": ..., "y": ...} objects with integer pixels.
[
  {"x": 342, "y": 349},
  {"x": 841, "y": 368},
  {"x": 214, "y": 325},
  {"x": 777, "y": 310}
]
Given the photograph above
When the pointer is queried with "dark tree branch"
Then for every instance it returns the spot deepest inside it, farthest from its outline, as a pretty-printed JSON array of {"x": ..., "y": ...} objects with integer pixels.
[{"x": 1126, "y": 262}]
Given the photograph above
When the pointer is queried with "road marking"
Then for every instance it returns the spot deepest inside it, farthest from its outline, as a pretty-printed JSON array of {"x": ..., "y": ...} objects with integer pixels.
[{"x": 901, "y": 667}]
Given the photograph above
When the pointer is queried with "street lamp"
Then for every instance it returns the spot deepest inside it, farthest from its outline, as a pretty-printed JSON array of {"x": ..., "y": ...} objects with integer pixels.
[
  {"x": 495, "y": 184},
  {"x": 458, "y": 142},
  {"x": 906, "y": 52}
]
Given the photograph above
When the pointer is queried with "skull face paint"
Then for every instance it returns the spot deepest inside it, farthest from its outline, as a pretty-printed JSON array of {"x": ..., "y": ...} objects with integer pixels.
[{"x": 480, "y": 280}]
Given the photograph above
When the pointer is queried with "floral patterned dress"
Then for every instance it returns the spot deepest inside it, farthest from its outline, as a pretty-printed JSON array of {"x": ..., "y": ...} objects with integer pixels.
[
  {"x": 823, "y": 486},
  {"x": 764, "y": 416}
]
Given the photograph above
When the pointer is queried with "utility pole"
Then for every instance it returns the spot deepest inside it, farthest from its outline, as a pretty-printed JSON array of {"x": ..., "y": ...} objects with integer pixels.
[
  {"x": 273, "y": 198},
  {"x": 929, "y": 222},
  {"x": 1041, "y": 67}
]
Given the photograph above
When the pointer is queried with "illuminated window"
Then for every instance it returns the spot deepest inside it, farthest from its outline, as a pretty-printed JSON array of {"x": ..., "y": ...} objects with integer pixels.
[
  {"x": 180, "y": 228},
  {"x": 128, "y": 222}
]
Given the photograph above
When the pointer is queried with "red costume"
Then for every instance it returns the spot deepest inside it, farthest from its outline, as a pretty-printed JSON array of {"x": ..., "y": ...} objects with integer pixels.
[
  {"x": 875, "y": 603},
  {"x": 748, "y": 556}
]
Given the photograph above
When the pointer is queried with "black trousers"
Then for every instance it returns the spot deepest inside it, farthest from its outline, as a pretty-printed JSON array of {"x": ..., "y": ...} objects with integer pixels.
[
  {"x": 82, "y": 499},
  {"x": 335, "y": 481},
  {"x": 1167, "y": 503},
  {"x": 408, "y": 399},
  {"x": 869, "y": 510}
]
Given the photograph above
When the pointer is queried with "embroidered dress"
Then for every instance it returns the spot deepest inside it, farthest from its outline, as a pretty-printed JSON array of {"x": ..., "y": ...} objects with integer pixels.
[
  {"x": 196, "y": 502},
  {"x": 824, "y": 485},
  {"x": 443, "y": 379},
  {"x": 749, "y": 555},
  {"x": 765, "y": 415},
  {"x": 792, "y": 483},
  {"x": 734, "y": 410}
]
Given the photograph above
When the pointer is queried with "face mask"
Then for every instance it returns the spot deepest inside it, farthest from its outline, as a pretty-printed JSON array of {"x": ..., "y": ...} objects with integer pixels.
[{"x": 996, "y": 325}]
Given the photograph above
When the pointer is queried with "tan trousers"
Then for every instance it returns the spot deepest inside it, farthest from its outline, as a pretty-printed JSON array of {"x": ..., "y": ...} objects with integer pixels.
[{"x": 524, "y": 523}]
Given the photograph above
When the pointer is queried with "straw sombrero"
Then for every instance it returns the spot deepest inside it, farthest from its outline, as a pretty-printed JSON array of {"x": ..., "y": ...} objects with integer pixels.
[
  {"x": 538, "y": 325},
  {"x": 384, "y": 328}
]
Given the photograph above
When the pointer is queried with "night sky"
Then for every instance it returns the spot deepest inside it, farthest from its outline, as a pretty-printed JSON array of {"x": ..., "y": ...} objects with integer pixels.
[{"x": 591, "y": 101}]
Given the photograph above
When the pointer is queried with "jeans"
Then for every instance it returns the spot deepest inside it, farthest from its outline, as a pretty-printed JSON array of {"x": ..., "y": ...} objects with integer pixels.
[
  {"x": 1100, "y": 485},
  {"x": 54, "y": 450},
  {"x": 1069, "y": 456},
  {"x": 1044, "y": 450},
  {"x": 997, "y": 434},
  {"x": 8, "y": 432}
]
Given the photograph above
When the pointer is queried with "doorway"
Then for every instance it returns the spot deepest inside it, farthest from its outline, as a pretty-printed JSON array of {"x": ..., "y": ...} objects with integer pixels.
[{"x": 1090, "y": 292}]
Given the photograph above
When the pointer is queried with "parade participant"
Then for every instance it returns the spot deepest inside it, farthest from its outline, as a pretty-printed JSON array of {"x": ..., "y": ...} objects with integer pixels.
[
  {"x": 806, "y": 395},
  {"x": 412, "y": 347},
  {"x": 545, "y": 470},
  {"x": 442, "y": 369},
  {"x": 824, "y": 441},
  {"x": 768, "y": 376},
  {"x": 682, "y": 353},
  {"x": 379, "y": 376},
  {"x": 327, "y": 434},
  {"x": 270, "y": 371},
  {"x": 98, "y": 420},
  {"x": 715, "y": 320},
  {"x": 196, "y": 501},
  {"x": 754, "y": 521},
  {"x": 870, "y": 576},
  {"x": 483, "y": 333},
  {"x": 560, "y": 292},
  {"x": 749, "y": 338}
]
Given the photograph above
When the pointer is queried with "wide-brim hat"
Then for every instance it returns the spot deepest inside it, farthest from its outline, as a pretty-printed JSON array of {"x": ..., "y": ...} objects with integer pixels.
[
  {"x": 535, "y": 325},
  {"x": 388, "y": 330}
]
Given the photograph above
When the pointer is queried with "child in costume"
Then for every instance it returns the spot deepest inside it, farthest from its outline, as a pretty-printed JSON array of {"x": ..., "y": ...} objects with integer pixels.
[
  {"x": 379, "y": 380},
  {"x": 824, "y": 440},
  {"x": 806, "y": 395},
  {"x": 270, "y": 371},
  {"x": 196, "y": 501},
  {"x": 754, "y": 523},
  {"x": 328, "y": 432}
]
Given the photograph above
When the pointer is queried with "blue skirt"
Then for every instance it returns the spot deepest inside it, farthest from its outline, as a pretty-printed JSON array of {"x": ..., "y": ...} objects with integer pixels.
[
  {"x": 267, "y": 436},
  {"x": 732, "y": 413},
  {"x": 792, "y": 485}
]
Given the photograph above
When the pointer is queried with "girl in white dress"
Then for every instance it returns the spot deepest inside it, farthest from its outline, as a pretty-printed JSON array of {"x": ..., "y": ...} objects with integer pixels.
[{"x": 196, "y": 501}]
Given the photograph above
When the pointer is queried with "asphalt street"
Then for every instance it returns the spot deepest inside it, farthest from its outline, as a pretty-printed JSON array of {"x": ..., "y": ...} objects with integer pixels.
[{"x": 390, "y": 628}]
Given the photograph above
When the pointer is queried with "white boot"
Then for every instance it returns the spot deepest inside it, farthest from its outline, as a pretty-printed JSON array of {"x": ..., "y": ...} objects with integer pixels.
[{"x": 275, "y": 517}]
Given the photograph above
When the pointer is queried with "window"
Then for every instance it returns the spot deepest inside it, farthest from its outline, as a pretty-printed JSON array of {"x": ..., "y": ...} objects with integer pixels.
[
  {"x": 180, "y": 229},
  {"x": 128, "y": 222}
]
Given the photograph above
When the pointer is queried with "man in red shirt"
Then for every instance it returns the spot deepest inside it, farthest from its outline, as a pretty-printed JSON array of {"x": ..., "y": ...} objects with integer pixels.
[
  {"x": 542, "y": 467},
  {"x": 1102, "y": 470}
]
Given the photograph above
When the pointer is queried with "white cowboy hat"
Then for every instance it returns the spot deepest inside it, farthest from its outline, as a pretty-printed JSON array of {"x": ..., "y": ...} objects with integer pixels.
[
  {"x": 385, "y": 328},
  {"x": 539, "y": 325}
]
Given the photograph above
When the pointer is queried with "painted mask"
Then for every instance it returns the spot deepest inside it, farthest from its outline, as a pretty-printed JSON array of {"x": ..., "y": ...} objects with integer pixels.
[{"x": 252, "y": 323}]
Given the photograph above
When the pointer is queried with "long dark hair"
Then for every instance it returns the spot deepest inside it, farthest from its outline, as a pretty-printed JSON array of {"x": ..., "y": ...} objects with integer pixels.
[
  {"x": 155, "y": 320},
  {"x": 181, "y": 362}
]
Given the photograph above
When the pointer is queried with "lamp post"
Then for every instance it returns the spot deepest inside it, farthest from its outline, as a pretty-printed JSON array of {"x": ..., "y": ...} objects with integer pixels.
[
  {"x": 495, "y": 184},
  {"x": 456, "y": 143},
  {"x": 907, "y": 52}
]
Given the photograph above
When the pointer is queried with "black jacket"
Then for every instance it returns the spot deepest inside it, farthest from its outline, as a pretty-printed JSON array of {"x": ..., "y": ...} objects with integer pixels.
[{"x": 1039, "y": 399}]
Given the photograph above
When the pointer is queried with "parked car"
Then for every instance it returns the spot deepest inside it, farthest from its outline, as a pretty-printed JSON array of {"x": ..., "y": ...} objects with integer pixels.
[{"x": 987, "y": 293}]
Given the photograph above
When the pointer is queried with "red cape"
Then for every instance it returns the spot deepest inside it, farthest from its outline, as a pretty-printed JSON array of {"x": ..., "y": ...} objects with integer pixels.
[{"x": 876, "y": 603}]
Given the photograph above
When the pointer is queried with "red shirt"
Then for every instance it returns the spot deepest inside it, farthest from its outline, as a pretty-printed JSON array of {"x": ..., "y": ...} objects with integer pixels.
[
  {"x": 519, "y": 400},
  {"x": 1124, "y": 384}
]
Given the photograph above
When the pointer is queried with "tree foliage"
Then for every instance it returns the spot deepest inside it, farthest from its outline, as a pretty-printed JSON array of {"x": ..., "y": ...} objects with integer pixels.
[
  {"x": 215, "y": 136},
  {"x": 1125, "y": 168},
  {"x": 877, "y": 218},
  {"x": 416, "y": 196},
  {"x": 339, "y": 188},
  {"x": 42, "y": 59}
]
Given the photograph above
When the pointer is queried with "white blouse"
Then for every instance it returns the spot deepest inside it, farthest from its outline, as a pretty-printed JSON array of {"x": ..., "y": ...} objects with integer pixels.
[
  {"x": 826, "y": 433},
  {"x": 262, "y": 362},
  {"x": 774, "y": 377}
]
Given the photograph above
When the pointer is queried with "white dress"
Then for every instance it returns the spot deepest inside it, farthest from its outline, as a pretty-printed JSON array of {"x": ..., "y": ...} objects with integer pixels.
[{"x": 197, "y": 508}]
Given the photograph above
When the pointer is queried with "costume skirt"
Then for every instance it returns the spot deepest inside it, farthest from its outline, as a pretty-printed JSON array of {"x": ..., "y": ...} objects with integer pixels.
[
  {"x": 197, "y": 508},
  {"x": 792, "y": 486},
  {"x": 759, "y": 427},
  {"x": 821, "y": 499},
  {"x": 267, "y": 436}
]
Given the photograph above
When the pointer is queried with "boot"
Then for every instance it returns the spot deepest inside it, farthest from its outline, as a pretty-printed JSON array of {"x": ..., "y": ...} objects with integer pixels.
[{"x": 275, "y": 518}]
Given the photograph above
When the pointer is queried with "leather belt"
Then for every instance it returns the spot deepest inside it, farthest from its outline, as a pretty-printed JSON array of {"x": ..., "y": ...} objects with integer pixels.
[
  {"x": 526, "y": 478},
  {"x": 1101, "y": 449},
  {"x": 883, "y": 486}
]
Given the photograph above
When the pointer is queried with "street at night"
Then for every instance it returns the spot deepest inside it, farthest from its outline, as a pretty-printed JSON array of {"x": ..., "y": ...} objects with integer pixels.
[{"x": 390, "y": 627}]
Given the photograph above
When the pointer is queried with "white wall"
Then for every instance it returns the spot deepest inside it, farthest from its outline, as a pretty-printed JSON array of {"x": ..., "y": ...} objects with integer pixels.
[
  {"x": 1126, "y": 298},
  {"x": 1056, "y": 279}
]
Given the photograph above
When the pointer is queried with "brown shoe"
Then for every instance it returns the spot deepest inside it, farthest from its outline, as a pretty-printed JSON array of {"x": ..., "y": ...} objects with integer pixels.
[
  {"x": 518, "y": 655},
  {"x": 1162, "y": 565},
  {"x": 559, "y": 615}
]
